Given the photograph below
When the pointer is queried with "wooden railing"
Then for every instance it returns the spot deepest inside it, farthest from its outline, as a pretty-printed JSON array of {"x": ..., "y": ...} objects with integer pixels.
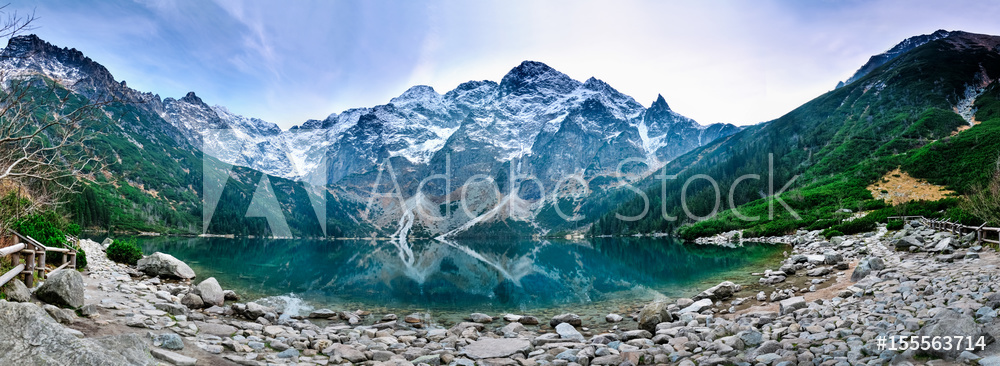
[
  {"x": 33, "y": 254},
  {"x": 956, "y": 228}
]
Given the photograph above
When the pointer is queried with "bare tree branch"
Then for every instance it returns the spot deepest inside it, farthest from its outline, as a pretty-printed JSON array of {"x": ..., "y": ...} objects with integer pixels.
[{"x": 45, "y": 129}]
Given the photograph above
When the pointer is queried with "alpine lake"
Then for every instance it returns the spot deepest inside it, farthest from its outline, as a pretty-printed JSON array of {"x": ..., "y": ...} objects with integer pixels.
[{"x": 448, "y": 280}]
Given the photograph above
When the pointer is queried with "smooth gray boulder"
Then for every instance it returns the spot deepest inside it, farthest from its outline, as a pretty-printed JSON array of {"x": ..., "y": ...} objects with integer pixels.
[
  {"x": 572, "y": 319},
  {"x": 230, "y": 295},
  {"x": 906, "y": 242},
  {"x": 170, "y": 341},
  {"x": 192, "y": 301},
  {"x": 787, "y": 306},
  {"x": 64, "y": 316},
  {"x": 63, "y": 288},
  {"x": 949, "y": 323},
  {"x": 697, "y": 306},
  {"x": 165, "y": 265},
  {"x": 721, "y": 291},
  {"x": 171, "y": 308},
  {"x": 943, "y": 246},
  {"x": 481, "y": 318},
  {"x": 345, "y": 352},
  {"x": 174, "y": 358},
  {"x": 513, "y": 329},
  {"x": 30, "y": 337},
  {"x": 654, "y": 313},
  {"x": 832, "y": 257},
  {"x": 865, "y": 267},
  {"x": 322, "y": 313},
  {"x": 210, "y": 292},
  {"x": 567, "y": 331},
  {"x": 497, "y": 348},
  {"x": 16, "y": 291}
]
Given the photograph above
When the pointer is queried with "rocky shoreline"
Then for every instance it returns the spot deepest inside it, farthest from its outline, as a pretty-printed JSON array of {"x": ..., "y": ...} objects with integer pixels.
[{"x": 826, "y": 305}]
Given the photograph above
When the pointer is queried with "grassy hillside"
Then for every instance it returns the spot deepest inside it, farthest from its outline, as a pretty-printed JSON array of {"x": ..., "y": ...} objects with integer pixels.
[
  {"x": 899, "y": 115},
  {"x": 150, "y": 178}
]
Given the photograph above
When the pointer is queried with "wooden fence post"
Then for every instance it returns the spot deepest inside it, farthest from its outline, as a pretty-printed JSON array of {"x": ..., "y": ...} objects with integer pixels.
[
  {"x": 41, "y": 265},
  {"x": 29, "y": 268}
]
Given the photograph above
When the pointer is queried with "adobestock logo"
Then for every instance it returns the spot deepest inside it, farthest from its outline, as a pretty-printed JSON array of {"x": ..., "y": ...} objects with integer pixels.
[
  {"x": 310, "y": 172},
  {"x": 459, "y": 204}
]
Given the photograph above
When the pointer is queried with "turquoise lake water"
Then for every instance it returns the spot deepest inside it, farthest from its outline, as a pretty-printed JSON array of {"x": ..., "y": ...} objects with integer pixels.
[
  {"x": 600, "y": 275},
  {"x": 543, "y": 277}
]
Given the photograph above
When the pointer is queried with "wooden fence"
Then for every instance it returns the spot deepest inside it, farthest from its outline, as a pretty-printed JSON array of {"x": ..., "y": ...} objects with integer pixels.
[
  {"x": 33, "y": 254},
  {"x": 983, "y": 233}
]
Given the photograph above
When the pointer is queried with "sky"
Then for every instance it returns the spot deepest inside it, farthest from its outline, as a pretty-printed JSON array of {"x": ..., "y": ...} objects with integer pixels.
[{"x": 740, "y": 62}]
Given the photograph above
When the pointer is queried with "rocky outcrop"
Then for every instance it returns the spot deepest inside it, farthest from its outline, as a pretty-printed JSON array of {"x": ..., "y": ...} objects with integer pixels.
[
  {"x": 28, "y": 336},
  {"x": 949, "y": 323},
  {"x": 63, "y": 287},
  {"x": 654, "y": 313},
  {"x": 16, "y": 291},
  {"x": 721, "y": 291},
  {"x": 165, "y": 265},
  {"x": 193, "y": 301},
  {"x": 210, "y": 292},
  {"x": 497, "y": 348},
  {"x": 865, "y": 267},
  {"x": 572, "y": 319}
]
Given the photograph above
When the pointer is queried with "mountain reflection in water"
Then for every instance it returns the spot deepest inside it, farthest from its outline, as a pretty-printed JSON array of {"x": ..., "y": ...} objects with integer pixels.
[{"x": 480, "y": 275}]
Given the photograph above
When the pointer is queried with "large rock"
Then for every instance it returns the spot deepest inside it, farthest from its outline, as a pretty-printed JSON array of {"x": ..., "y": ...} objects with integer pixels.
[
  {"x": 832, "y": 257},
  {"x": 210, "y": 292},
  {"x": 29, "y": 337},
  {"x": 63, "y": 287},
  {"x": 497, "y": 348},
  {"x": 16, "y": 291},
  {"x": 345, "y": 352},
  {"x": 174, "y": 358},
  {"x": 64, "y": 316},
  {"x": 906, "y": 242},
  {"x": 170, "y": 341},
  {"x": 481, "y": 318},
  {"x": 865, "y": 267},
  {"x": 568, "y": 332},
  {"x": 697, "y": 306},
  {"x": 949, "y": 323},
  {"x": 192, "y": 301},
  {"x": 721, "y": 291},
  {"x": 171, "y": 308},
  {"x": 221, "y": 330},
  {"x": 165, "y": 265},
  {"x": 654, "y": 313},
  {"x": 787, "y": 306},
  {"x": 572, "y": 319},
  {"x": 325, "y": 313},
  {"x": 944, "y": 245}
]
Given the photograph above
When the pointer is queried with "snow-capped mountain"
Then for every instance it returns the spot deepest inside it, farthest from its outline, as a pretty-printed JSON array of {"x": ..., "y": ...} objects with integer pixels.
[
  {"x": 899, "y": 49},
  {"x": 528, "y": 115},
  {"x": 535, "y": 123}
]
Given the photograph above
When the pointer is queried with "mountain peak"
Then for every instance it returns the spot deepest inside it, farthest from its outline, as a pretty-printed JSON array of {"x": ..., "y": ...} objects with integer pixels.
[
  {"x": 190, "y": 97},
  {"x": 21, "y": 45},
  {"x": 415, "y": 93},
  {"x": 897, "y": 50},
  {"x": 660, "y": 104},
  {"x": 531, "y": 68},
  {"x": 530, "y": 76}
]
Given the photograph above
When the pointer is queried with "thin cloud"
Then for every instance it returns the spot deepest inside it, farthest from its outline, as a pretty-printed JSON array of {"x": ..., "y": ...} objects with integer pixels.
[{"x": 719, "y": 61}]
